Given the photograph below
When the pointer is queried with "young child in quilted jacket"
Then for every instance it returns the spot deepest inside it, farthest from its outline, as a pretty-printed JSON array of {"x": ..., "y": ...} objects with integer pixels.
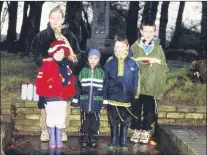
[{"x": 90, "y": 97}]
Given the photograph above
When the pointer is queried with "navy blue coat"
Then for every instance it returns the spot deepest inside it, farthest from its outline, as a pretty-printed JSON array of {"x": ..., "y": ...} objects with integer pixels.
[{"x": 121, "y": 88}]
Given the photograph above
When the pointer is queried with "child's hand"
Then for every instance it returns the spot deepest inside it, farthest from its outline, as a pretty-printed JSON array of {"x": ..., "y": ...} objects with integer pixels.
[
  {"x": 47, "y": 59},
  {"x": 105, "y": 103},
  {"x": 74, "y": 103}
]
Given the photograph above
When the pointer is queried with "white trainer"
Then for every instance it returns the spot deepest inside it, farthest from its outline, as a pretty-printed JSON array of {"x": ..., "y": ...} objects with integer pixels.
[
  {"x": 136, "y": 136},
  {"x": 64, "y": 136},
  {"x": 145, "y": 137},
  {"x": 44, "y": 136}
]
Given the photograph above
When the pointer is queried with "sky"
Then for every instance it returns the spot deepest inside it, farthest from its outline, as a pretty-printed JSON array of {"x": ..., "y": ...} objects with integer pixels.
[{"x": 191, "y": 16}]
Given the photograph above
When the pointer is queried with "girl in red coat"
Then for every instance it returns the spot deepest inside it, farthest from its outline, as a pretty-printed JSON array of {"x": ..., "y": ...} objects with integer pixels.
[{"x": 56, "y": 83}]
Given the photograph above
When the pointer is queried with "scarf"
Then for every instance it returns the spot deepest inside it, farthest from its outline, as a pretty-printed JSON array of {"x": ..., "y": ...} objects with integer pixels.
[
  {"x": 59, "y": 36},
  {"x": 120, "y": 60}
]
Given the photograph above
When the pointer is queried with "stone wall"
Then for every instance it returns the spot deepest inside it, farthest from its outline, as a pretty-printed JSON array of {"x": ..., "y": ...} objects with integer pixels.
[
  {"x": 26, "y": 117},
  {"x": 181, "y": 115}
]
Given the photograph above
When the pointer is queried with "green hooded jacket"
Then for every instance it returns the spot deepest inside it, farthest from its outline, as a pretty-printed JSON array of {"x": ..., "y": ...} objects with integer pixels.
[{"x": 152, "y": 75}]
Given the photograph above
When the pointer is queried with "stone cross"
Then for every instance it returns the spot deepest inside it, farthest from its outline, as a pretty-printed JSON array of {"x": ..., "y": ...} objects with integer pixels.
[{"x": 100, "y": 27}]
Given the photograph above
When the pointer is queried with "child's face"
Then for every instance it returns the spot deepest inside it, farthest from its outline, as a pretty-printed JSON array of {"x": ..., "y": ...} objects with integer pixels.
[
  {"x": 121, "y": 48},
  {"x": 56, "y": 19},
  {"x": 148, "y": 32},
  {"x": 59, "y": 55},
  {"x": 93, "y": 60}
]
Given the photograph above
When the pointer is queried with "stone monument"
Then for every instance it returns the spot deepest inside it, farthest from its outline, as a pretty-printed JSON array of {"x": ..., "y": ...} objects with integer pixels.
[{"x": 100, "y": 28}]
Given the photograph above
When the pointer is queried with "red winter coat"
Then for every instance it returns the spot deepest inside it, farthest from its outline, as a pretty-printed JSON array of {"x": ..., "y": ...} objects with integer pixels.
[{"x": 49, "y": 82}]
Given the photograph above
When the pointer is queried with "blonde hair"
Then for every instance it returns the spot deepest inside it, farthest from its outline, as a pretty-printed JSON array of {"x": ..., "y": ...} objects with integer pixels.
[{"x": 57, "y": 8}]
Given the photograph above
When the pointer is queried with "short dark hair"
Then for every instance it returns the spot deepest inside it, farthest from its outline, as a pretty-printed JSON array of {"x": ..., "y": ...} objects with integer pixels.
[
  {"x": 122, "y": 38},
  {"x": 148, "y": 23}
]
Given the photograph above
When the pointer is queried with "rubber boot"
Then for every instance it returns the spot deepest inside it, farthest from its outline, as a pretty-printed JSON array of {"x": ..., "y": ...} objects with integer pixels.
[
  {"x": 114, "y": 137},
  {"x": 52, "y": 143},
  {"x": 58, "y": 138},
  {"x": 84, "y": 140},
  {"x": 123, "y": 137},
  {"x": 92, "y": 141}
]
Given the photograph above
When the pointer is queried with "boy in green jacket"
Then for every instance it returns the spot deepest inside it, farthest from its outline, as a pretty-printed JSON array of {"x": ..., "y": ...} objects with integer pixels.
[{"x": 151, "y": 59}]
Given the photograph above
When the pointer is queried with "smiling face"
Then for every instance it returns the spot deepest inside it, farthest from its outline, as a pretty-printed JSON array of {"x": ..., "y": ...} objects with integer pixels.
[
  {"x": 93, "y": 60},
  {"x": 121, "y": 48},
  {"x": 148, "y": 33},
  {"x": 59, "y": 55},
  {"x": 56, "y": 19}
]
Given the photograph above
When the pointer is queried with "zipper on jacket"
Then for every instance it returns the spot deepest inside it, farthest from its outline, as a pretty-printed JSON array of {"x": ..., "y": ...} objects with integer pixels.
[{"x": 91, "y": 90}]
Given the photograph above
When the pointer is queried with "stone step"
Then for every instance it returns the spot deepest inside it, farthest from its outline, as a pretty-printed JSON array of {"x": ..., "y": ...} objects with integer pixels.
[
  {"x": 76, "y": 110},
  {"x": 77, "y": 123}
]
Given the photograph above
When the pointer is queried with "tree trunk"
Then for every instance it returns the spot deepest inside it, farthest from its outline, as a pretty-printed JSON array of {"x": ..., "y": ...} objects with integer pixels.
[
  {"x": 33, "y": 24},
  {"x": 11, "y": 32},
  {"x": 38, "y": 12},
  {"x": 204, "y": 28},
  {"x": 132, "y": 18},
  {"x": 150, "y": 11},
  {"x": 145, "y": 14},
  {"x": 153, "y": 10},
  {"x": 23, "y": 33},
  {"x": 163, "y": 22},
  {"x": 178, "y": 26},
  {"x": 1, "y": 5},
  {"x": 73, "y": 16}
]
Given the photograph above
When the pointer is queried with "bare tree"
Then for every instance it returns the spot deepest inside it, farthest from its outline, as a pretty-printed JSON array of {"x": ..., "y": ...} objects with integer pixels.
[
  {"x": 204, "y": 27},
  {"x": 1, "y": 5},
  {"x": 33, "y": 23},
  {"x": 11, "y": 32},
  {"x": 178, "y": 25},
  {"x": 73, "y": 16},
  {"x": 132, "y": 18},
  {"x": 145, "y": 14},
  {"x": 163, "y": 22},
  {"x": 23, "y": 32},
  {"x": 150, "y": 11},
  {"x": 153, "y": 10}
]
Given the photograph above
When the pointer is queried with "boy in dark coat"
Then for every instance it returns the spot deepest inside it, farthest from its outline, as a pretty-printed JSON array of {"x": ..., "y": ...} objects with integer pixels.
[{"x": 121, "y": 73}]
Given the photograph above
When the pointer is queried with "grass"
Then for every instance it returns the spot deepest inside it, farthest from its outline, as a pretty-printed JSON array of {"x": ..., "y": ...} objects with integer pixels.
[
  {"x": 14, "y": 71},
  {"x": 179, "y": 89}
]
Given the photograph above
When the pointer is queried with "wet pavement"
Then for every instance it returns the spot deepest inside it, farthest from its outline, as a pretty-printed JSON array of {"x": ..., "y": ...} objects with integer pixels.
[{"x": 28, "y": 145}]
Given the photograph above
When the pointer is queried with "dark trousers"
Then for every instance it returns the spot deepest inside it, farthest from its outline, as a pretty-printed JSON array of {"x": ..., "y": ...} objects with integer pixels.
[
  {"x": 90, "y": 122},
  {"x": 115, "y": 116},
  {"x": 147, "y": 104}
]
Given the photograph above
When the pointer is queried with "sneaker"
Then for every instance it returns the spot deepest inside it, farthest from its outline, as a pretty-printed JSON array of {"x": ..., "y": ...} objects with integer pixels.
[
  {"x": 136, "y": 136},
  {"x": 64, "y": 136},
  {"x": 44, "y": 136},
  {"x": 145, "y": 137}
]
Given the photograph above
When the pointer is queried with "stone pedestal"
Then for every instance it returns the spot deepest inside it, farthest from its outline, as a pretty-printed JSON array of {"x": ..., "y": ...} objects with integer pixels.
[{"x": 100, "y": 28}]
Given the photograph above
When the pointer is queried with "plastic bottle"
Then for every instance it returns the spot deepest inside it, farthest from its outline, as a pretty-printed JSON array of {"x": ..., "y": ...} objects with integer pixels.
[
  {"x": 30, "y": 92},
  {"x": 35, "y": 96},
  {"x": 24, "y": 91}
]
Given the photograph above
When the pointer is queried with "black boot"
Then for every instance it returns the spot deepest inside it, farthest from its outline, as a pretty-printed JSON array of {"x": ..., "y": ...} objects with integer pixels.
[
  {"x": 114, "y": 136},
  {"x": 123, "y": 136},
  {"x": 84, "y": 140},
  {"x": 92, "y": 141}
]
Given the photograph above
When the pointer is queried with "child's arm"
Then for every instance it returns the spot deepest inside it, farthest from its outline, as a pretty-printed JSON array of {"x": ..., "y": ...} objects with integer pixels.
[
  {"x": 136, "y": 81},
  {"x": 76, "y": 98},
  {"x": 105, "y": 102}
]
